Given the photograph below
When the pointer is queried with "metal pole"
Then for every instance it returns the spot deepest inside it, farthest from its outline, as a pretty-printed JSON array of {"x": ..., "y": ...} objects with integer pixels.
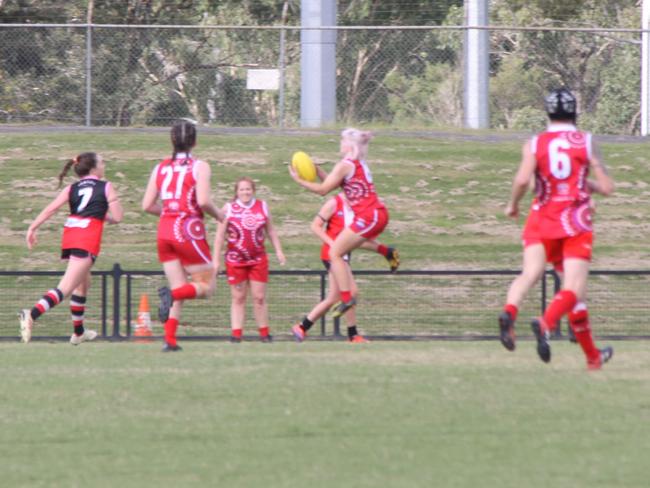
[
  {"x": 104, "y": 305},
  {"x": 476, "y": 79},
  {"x": 89, "y": 62},
  {"x": 117, "y": 277},
  {"x": 317, "y": 63},
  {"x": 645, "y": 69},
  {"x": 323, "y": 277},
  {"x": 281, "y": 64},
  {"x": 281, "y": 94}
]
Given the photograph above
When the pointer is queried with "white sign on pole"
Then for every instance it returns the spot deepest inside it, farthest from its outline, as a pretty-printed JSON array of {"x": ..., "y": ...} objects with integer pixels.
[{"x": 263, "y": 79}]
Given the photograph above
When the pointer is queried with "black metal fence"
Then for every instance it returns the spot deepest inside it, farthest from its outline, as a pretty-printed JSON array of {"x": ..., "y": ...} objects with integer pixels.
[{"x": 447, "y": 304}]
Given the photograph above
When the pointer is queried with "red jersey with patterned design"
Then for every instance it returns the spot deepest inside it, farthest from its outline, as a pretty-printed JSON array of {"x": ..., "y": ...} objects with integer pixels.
[
  {"x": 88, "y": 201},
  {"x": 340, "y": 219},
  {"x": 181, "y": 219},
  {"x": 245, "y": 232},
  {"x": 563, "y": 154},
  {"x": 359, "y": 188}
]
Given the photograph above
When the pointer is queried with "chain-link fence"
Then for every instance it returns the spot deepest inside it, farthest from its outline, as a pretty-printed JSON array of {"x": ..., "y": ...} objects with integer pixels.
[
  {"x": 406, "y": 305},
  {"x": 406, "y": 77}
]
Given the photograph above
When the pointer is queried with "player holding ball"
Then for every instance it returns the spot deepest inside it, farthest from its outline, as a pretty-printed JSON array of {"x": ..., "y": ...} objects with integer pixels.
[{"x": 353, "y": 175}]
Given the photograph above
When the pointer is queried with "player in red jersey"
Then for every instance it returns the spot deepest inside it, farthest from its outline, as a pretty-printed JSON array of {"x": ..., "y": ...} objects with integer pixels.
[
  {"x": 182, "y": 184},
  {"x": 353, "y": 175},
  {"x": 92, "y": 201},
  {"x": 247, "y": 223},
  {"x": 561, "y": 159},
  {"x": 334, "y": 216}
]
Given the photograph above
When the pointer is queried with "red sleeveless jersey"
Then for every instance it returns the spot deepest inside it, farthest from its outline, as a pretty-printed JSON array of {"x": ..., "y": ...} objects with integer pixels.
[
  {"x": 245, "y": 232},
  {"x": 340, "y": 219},
  {"x": 181, "y": 219},
  {"x": 88, "y": 201},
  {"x": 563, "y": 154},
  {"x": 359, "y": 188}
]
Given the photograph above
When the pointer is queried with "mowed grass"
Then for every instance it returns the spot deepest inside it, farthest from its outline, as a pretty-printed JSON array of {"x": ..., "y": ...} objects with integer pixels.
[
  {"x": 322, "y": 415},
  {"x": 446, "y": 195}
]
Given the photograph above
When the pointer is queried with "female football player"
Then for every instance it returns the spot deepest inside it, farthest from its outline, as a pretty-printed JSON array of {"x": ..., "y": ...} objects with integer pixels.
[
  {"x": 182, "y": 185},
  {"x": 92, "y": 202},
  {"x": 247, "y": 223},
  {"x": 334, "y": 216},
  {"x": 561, "y": 158},
  {"x": 353, "y": 175}
]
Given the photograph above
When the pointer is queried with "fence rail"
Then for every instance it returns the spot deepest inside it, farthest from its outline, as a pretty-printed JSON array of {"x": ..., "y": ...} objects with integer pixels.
[{"x": 409, "y": 305}]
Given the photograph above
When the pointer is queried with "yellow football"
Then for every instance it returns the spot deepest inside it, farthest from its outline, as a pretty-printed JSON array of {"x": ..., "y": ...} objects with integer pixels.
[{"x": 304, "y": 166}]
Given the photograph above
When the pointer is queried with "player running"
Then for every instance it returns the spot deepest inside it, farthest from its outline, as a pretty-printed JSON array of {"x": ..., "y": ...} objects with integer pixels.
[
  {"x": 353, "y": 175},
  {"x": 334, "y": 216},
  {"x": 182, "y": 185},
  {"x": 245, "y": 227},
  {"x": 561, "y": 159},
  {"x": 92, "y": 201}
]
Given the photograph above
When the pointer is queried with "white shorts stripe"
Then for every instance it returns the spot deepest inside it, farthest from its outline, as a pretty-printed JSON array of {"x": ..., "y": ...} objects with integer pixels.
[
  {"x": 198, "y": 251},
  {"x": 375, "y": 219}
]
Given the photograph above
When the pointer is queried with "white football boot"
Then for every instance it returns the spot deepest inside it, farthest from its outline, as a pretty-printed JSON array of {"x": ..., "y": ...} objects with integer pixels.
[
  {"x": 88, "y": 335},
  {"x": 26, "y": 324}
]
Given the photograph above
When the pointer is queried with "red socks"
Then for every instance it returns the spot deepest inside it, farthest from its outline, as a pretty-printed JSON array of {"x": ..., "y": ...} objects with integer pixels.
[
  {"x": 383, "y": 250},
  {"x": 346, "y": 296},
  {"x": 579, "y": 322},
  {"x": 185, "y": 292},
  {"x": 170, "y": 331},
  {"x": 237, "y": 333},
  {"x": 512, "y": 310},
  {"x": 264, "y": 332},
  {"x": 563, "y": 302}
]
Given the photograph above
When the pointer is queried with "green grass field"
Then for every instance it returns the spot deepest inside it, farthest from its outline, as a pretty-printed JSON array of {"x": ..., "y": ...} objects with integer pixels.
[
  {"x": 325, "y": 414},
  {"x": 446, "y": 196},
  {"x": 322, "y": 415}
]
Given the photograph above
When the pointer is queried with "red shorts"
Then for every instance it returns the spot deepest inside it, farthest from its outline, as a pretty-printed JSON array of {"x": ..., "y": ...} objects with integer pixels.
[
  {"x": 577, "y": 247},
  {"x": 531, "y": 233},
  {"x": 188, "y": 252},
  {"x": 254, "y": 272},
  {"x": 370, "y": 223}
]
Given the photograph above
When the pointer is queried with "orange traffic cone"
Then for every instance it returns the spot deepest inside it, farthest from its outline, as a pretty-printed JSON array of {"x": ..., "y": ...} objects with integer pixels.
[{"x": 143, "y": 326}]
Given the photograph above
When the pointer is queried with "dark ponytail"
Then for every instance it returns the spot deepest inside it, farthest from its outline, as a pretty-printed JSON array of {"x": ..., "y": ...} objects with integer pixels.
[
  {"x": 82, "y": 165},
  {"x": 183, "y": 136}
]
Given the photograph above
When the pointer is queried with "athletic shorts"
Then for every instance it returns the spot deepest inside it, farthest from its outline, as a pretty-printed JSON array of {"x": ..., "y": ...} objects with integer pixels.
[
  {"x": 370, "y": 223},
  {"x": 531, "y": 234},
  {"x": 577, "y": 247},
  {"x": 254, "y": 272},
  {"x": 188, "y": 252},
  {"x": 77, "y": 253}
]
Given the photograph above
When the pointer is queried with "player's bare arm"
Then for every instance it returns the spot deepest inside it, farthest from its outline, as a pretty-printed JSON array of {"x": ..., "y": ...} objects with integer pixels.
[
  {"x": 333, "y": 179},
  {"x": 323, "y": 216},
  {"x": 115, "y": 210},
  {"x": 219, "y": 237},
  {"x": 150, "y": 199},
  {"x": 45, "y": 215},
  {"x": 203, "y": 198},
  {"x": 275, "y": 240},
  {"x": 521, "y": 181},
  {"x": 604, "y": 183}
]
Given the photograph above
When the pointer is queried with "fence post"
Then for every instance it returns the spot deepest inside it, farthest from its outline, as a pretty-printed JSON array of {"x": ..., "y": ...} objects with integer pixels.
[
  {"x": 104, "y": 302},
  {"x": 89, "y": 66},
  {"x": 128, "y": 305},
  {"x": 557, "y": 285},
  {"x": 323, "y": 276},
  {"x": 117, "y": 277}
]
